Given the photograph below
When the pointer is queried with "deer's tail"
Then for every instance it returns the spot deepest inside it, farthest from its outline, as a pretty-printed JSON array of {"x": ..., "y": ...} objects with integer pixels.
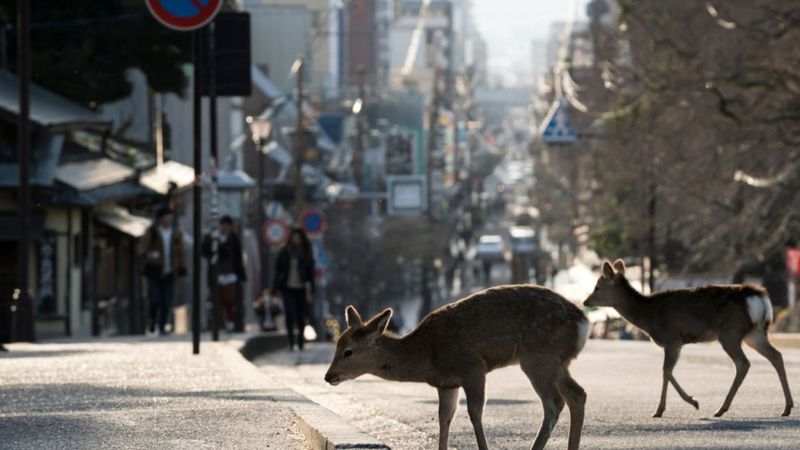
[
  {"x": 759, "y": 308},
  {"x": 583, "y": 334}
]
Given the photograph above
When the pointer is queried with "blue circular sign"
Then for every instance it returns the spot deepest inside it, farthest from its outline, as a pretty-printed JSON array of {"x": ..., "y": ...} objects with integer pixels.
[
  {"x": 312, "y": 221},
  {"x": 184, "y": 15}
]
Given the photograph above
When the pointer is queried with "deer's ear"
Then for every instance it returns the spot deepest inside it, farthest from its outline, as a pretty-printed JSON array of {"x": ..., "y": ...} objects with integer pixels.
[
  {"x": 608, "y": 270},
  {"x": 352, "y": 317},
  {"x": 619, "y": 266},
  {"x": 378, "y": 324}
]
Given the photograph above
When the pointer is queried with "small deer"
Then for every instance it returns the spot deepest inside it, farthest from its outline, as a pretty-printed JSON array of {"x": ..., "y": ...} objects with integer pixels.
[
  {"x": 728, "y": 314},
  {"x": 456, "y": 345}
]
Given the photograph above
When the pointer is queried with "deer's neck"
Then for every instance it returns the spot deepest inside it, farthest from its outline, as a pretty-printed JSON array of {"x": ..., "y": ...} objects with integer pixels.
[
  {"x": 400, "y": 359},
  {"x": 635, "y": 307}
]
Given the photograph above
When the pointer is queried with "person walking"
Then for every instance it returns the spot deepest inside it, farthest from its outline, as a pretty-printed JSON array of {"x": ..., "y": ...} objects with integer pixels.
[
  {"x": 226, "y": 271},
  {"x": 294, "y": 281},
  {"x": 164, "y": 257}
]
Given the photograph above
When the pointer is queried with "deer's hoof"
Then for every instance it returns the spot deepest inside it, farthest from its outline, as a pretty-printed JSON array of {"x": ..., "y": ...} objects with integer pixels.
[
  {"x": 658, "y": 414},
  {"x": 694, "y": 403},
  {"x": 787, "y": 411},
  {"x": 719, "y": 413}
]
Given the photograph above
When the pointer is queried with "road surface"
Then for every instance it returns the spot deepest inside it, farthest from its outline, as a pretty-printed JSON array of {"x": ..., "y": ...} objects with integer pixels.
[{"x": 622, "y": 380}]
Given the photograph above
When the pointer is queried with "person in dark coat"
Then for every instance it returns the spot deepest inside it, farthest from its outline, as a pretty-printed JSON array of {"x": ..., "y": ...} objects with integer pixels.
[
  {"x": 294, "y": 281},
  {"x": 164, "y": 257},
  {"x": 225, "y": 271}
]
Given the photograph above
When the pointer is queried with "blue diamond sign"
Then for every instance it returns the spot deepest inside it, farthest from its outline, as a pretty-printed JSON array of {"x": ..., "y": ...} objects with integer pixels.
[{"x": 556, "y": 127}]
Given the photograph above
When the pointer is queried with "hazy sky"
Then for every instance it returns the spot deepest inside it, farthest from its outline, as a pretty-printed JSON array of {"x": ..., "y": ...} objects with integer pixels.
[{"x": 509, "y": 26}]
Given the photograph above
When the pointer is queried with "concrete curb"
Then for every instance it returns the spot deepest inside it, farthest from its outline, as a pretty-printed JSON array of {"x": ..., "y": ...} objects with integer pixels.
[
  {"x": 321, "y": 426},
  {"x": 259, "y": 344}
]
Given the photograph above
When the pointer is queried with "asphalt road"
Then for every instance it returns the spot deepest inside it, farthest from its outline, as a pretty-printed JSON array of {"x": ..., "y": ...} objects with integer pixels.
[{"x": 622, "y": 380}]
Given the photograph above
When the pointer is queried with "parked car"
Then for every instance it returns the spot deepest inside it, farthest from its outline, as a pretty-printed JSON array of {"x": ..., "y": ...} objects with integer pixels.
[
  {"x": 490, "y": 247},
  {"x": 523, "y": 240}
]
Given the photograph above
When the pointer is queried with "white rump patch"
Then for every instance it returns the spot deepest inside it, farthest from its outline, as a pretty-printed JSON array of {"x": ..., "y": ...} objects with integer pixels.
[
  {"x": 759, "y": 308},
  {"x": 583, "y": 334}
]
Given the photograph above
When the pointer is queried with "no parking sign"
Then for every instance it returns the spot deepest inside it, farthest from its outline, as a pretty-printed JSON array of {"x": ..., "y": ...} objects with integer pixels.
[
  {"x": 184, "y": 15},
  {"x": 312, "y": 221}
]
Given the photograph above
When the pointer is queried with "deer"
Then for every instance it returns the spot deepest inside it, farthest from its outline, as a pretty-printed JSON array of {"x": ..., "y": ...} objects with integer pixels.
[
  {"x": 729, "y": 314},
  {"x": 455, "y": 346}
]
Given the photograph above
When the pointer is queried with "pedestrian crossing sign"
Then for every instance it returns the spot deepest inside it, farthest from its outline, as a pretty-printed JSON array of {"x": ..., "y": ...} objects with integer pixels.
[{"x": 557, "y": 127}]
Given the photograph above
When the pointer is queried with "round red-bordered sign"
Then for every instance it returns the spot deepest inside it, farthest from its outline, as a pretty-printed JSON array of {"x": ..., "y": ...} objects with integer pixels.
[
  {"x": 184, "y": 15},
  {"x": 312, "y": 221},
  {"x": 275, "y": 232}
]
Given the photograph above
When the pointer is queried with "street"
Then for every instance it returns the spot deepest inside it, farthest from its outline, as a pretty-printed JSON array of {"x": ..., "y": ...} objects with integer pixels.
[{"x": 622, "y": 379}]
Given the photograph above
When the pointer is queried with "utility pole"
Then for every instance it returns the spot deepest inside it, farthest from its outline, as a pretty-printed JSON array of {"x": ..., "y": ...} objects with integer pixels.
[
  {"x": 25, "y": 309},
  {"x": 651, "y": 235},
  {"x": 358, "y": 160},
  {"x": 299, "y": 145},
  {"x": 197, "y": 192},
  {"x": 433, "y": 125},
  {"x": 211, "y": 50}
]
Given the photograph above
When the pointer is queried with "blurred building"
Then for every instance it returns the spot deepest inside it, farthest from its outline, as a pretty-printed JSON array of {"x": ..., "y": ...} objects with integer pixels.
[
  {"x": 314, "y": 29},
  {"x": 93, "y": 196}
]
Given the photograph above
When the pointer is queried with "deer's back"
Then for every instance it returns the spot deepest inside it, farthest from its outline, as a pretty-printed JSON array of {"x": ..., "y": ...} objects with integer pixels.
[
  {"x": 700, "y": 314},
  {"x": 497, "y": 324}
]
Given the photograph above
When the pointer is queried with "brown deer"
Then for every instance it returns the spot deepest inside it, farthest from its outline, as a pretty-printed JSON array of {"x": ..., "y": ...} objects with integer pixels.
[
  {"x": 728, "y": 314},
  {"x": 456, "y": 345}
]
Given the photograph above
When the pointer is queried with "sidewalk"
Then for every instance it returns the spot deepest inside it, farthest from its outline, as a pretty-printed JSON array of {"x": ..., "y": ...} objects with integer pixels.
[{"x": 139, "y": 393}]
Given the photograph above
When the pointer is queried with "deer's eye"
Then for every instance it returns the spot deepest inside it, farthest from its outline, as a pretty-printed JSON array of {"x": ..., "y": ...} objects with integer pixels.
[{"x": 348, "y": 353}]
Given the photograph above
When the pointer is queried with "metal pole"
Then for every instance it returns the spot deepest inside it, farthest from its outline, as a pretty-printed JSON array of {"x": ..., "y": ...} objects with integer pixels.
[
  {"x": 300, "y": 188},
  {"x": 210, "y": 31},
  {"x": 358, "y": 167},
  {"x": 262, "y": 245},
  {"x": 198, "y": 192},
  {"x": 25, "y": 307}
]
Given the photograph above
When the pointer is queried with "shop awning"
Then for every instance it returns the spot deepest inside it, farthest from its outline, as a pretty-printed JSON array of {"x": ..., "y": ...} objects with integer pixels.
[
  {"x": 158, "y": 179},
  {"x": 234, "y": 180},
  {"x": 92, "y": 174},
  {"x": 123, "y": 221},
  {"x": 47, "y": 109}
]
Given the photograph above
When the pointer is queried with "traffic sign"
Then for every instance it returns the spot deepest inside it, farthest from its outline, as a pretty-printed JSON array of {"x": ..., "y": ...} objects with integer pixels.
[
  {"x": 312, "y": 221},
  {"x": 184, "y": 15},
  {"x": 276, "y": 232},
  {"x": 557, "y": 127}
]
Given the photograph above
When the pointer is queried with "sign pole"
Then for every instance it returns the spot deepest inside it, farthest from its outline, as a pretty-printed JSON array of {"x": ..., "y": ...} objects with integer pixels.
[
  {"x": 198, "y": 192},
  {"x": 173, "y": 17},
  {"x": 211, "y": 36}
]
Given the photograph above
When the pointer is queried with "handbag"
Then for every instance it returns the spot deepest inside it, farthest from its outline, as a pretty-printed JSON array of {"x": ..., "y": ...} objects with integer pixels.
[{"x": 275, "y": 309}]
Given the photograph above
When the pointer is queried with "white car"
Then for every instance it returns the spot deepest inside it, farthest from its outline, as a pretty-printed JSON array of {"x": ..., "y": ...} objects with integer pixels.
[
  {"x": 523, "y": 240},
  {"x": 490, "y": 247}
]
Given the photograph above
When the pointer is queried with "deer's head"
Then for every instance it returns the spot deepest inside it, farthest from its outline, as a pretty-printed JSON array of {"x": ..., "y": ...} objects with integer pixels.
[
  {"x": 606, "y": 291},
  {"x": 356, "y": 350}
]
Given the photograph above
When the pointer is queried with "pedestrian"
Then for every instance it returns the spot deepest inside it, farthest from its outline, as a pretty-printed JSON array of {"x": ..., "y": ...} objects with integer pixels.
[
  {"x": 294, "y": 281},
  {"x": 225, "y": 269},
  {"x": 164, "y": 256}
]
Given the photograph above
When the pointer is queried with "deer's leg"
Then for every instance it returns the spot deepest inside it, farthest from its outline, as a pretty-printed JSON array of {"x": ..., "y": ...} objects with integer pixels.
[
  {"x": 475, "y": 388},
  {"x": 757, "y": 339},
  {"x": 575, "y": 397},
  {"x": 448, "y": 403},
  {"x": 545, "y": 377},
  {"x": 671, "y": 355},
  {"x": 733, "y": 347}
]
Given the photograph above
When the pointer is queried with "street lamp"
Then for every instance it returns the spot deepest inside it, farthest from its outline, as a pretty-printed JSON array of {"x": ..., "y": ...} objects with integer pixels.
[{"x": 260, "y": 130}]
